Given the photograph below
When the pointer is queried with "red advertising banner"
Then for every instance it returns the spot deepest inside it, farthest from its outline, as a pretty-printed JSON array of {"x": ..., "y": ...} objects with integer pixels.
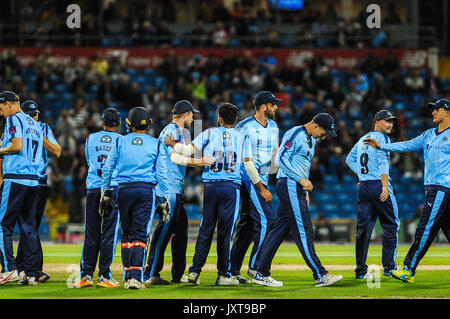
[{"x": 151, "y": 58}]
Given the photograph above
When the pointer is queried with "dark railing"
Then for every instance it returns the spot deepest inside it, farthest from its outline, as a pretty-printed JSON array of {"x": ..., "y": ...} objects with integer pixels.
[{"x": 395, "y": 37}]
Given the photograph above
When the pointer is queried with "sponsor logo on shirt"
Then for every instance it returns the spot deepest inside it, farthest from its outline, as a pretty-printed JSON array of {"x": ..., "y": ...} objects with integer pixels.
[
  {"x": 106, "y": 139},
  {"x": 288, "y": 144},
  {"x": 12, "y": 130},
  {"x": 137, "y": 141}
]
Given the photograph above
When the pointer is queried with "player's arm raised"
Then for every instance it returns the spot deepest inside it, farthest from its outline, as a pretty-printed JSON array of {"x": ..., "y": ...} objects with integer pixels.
[{"x": 182, "y": 153}]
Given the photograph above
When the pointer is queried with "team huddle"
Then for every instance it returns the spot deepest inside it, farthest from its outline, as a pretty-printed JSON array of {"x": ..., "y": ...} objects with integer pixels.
[{"x": 134, "y": 177}]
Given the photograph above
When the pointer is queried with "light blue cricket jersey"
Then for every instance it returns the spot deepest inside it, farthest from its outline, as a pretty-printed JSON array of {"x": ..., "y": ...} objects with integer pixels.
[
  {"x": 368, "y": 162},
  {"x": 436, "y": 155},
  {"x": 98, "y": 146},
  {"x": 228, "y": 147},
  {"x": 264, "y": 141},
  {"x": 48, "y": 133},
  {"x": 177, "y": 172},
  {"x": 137, "y": 158},
  {"x": 295, "y": 154},
  {"x": 23, "y": 167}
]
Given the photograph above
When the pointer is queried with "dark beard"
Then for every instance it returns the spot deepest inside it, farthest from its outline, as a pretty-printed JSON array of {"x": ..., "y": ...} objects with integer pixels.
[{"x": 269, "y": 115}]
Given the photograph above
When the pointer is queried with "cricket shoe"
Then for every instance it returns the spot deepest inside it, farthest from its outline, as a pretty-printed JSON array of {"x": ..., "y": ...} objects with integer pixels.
[
  {"x": 251, "y": 272},
  {"x": 194, "y": 278},
  {"x": 266, "y": 281},
  {"x": 404, "y": 275},
  {"x": 9, "y": 276},
  {"x": 328, "y": 280},
  {"x": 85, "y": 281},
  {"x": 242, "y": 280},
  {"x": 135, "y": 284},
  {"x": 368, "y": 275},
  {"x": 28, "y": 281},
  {"x": 226, "y": 281},
  {"x": 156, "y": 280},
  {"x": 43, "y": 277},
  {"x": 107, "y": 283},
  {"x": 184, "y": 279}
]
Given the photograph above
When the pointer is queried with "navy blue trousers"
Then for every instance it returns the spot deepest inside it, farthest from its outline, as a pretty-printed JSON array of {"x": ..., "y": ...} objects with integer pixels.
[
  {"x": 369, "y": 208},
  {"x": 256, "y": 218},
  {"x": 19, "y": 204},
  {"x": 177, "y": 231},
  {"x": 100, "y": 236},
  {"x": 435, "y": 216},
  {"x": 137, "y": 206},
  {"x": 292, "y": 216},
  {"x": 221, "y": 207},
  {"x": 43, "y": 195}
]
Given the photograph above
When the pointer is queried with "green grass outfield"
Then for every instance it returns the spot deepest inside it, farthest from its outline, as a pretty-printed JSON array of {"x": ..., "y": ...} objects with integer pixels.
[{"x": 432, "y": 278}]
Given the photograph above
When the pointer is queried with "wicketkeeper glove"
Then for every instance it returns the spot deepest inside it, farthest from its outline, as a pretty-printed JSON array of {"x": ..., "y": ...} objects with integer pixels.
[
  {"x": 165, "y": 209},
  {"x": 106, "y": 203}
]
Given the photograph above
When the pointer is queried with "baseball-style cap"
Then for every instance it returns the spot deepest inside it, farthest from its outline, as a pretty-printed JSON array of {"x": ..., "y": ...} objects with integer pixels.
[
  {"x": 440, "y": 103},
  {"x": 111, "y": 117},
  {"x": 30, "y": 107},
  {"x": 384, "y": 115},
  {"x": 184, "y": 106},
  {"x": 264, "y": 97},
  {"x": 8, "y": 96},
  {"x": 325, "y": 121}
]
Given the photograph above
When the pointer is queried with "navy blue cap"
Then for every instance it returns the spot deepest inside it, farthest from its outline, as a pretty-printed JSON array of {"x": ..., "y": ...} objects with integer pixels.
[
  {"x": 8, "y": 96},
  {"x": 111, "y": 117},
  {"x": 184, "y": 106},
  {"x": 384, "y": 115},
  {"x": 30, "y": 107},
  {"x": 325, "y": 121},
  {"x": 263, "y": 97},
  {"x": 440, "y": 103}
]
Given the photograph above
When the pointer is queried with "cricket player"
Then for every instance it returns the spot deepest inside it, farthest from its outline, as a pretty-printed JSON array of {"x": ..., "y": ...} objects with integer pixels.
[
  {"x": 230, "y": 149},
  {"x": 375, "y": 197},
  {"x": 294, "y": 160},
  {"x": 22, "y": 150},
  {"x": 177, "y": 227},
  {"x": 50, "y": 146},
  {"x": 141, "y": 162},
  {"x": 256, "y": 213},
  {"x": 101, "y": 228},
  {"x": 435, "y": 144}
]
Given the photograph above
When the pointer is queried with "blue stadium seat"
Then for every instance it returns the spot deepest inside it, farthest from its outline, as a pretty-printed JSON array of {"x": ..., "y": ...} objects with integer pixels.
[
  {"x": 60, "y": 88},
  {"x": 349, "y": 179},
  {"x": 322, "y": 197},
  {"x": 329, "y": 208},
  {"x": 330, "y": 179},
  {"x": 343, "y": 198},
  {"x": 132, "y": 73}
]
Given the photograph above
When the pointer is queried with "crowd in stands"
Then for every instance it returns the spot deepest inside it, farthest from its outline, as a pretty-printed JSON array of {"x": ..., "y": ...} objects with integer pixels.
[
  {"x": 148, "y": 24},
  {"x": 73, "y": 97}
]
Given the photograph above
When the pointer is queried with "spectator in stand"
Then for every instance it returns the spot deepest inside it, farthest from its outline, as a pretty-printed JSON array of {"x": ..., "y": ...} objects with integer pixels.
[
  {"x": 105, "y": 91},
  {"x": 414, "y": 83},
  {"x": 219, "y": 35},
  {"x": 247, "y": 110},
  {"x": 267, "y": 61},
  {"x": 199, "y": 36},
  {"x": 79, "y": 113},
  {"x": 370, "y": 65},
  {"x": 338, "y": 98},
  {"x": 396, "y": 82},
  {"x": 324, "y": 78},
  {"x": 43, "y": 81},
  {"x": 361, "y": 80},
  {"x": 390, "y": 64},
  {"x": 340, "y": 35},
  {"x": 164, "y": 35},
  {"x": 122, "y": 91},
  {"x": 271, "y": 38},
  {"x": 148, "y": 33},
  {"x": 204, "y": 12},
  {"x": 134, "y": 97},
  {"x": 321, "y": 32},
  {"x": 298, "y": 98},
  {"x": 220, "y": 12}
]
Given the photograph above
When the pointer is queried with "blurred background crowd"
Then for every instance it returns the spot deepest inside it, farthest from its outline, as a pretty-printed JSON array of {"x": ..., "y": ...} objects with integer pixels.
[{"x": 72, "y": 97}]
